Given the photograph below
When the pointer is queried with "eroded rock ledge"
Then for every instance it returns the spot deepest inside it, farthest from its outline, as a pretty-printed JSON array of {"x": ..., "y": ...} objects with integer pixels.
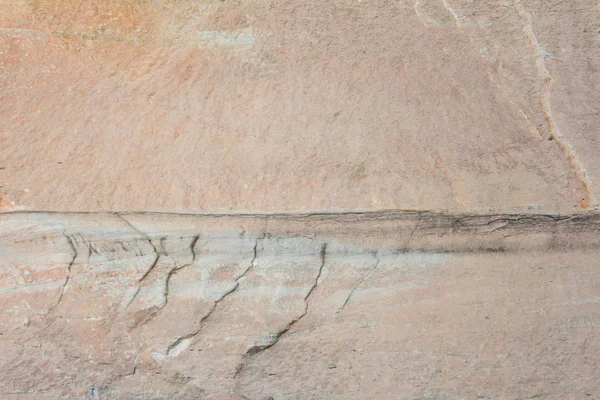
[{"x": 299, "y": 306}]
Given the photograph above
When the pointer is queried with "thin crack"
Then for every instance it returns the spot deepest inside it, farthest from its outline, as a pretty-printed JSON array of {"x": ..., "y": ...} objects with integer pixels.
[
  {"x": 362, "y": 281},
  {"x": 412, "y": 233},
  {"x": 193, "y": 247},
  {"x": 175, "y": 269},
  {"x": 254, "y": 257},
  {"x": 158, "y": 254},
  {"x": 540, "y": 55},
  {"x": 132, "y": 298},
  {"x": 150, "y": 269},
  {"x": 173, "y": 347},
  {"x": 171, "y": 272},
  {"x": 501, "y": 227},
  {"x": 152, "y": 266},
  {"x": 134, "y": 369},
  {"x": 149, "y": 239},
  {"x": 135, "y": 359},
  {"x": 273, "y": 338},
  {"x": 68, "y": 278},
  {"x": 87, "y": 244}
]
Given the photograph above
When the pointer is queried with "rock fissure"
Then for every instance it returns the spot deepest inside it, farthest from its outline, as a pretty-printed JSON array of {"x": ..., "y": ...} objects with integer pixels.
[
  {"x": 175, "y": 269},
  {"x": 540, "y": 55},
  {"x": 148, "y": 271},
  {"x": 134, "y": 368},
  {"x": 179, "y": 344},
  {"x": 68, "y": 277},
  {"x": 154, "y": 263},
  {"x": 273, "y": 338},
  {"x": 359, "y": 284},
  {"x": 171, "y": 272},
  {"x": 176, "y": 347},
  {"x": 411, "y": 235},
  {"x": 254, "y": 200}
]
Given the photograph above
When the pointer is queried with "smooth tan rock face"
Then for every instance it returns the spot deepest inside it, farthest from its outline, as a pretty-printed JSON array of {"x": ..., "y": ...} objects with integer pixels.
[{"x": 286, "y": 105}]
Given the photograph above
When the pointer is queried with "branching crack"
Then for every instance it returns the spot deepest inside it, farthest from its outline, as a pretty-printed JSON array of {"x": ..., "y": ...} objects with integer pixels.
[
  {"x": 174, "y": 270},
  {"x": 157, "y": 257},
  {"x": 273, "y": 338},
  {"x": 152, "y": 266},
  {"x": 171, "y": 272},
  {"x": 540, "y": 56}
]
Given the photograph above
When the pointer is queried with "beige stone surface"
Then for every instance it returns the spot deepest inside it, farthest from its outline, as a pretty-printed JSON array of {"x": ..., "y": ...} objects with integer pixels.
[
  {"x": 369, "y": 306},
  {"x": 197, "y": 199},
  {"x": 179, "y": 105}
]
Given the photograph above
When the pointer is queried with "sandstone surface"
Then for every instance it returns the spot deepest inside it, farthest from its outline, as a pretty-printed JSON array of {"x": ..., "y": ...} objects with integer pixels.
[
  {"x": 370, "y": 306},
  {"x": 290, "y": 200},
  {"x": 180, "y": 105}
]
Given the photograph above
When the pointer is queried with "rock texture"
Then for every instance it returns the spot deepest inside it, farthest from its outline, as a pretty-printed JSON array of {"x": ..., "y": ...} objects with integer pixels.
[
  {"x": 179, "y": 105},
  {"x": 200, "y": 199},
  {"x": 314, "y": 306}
]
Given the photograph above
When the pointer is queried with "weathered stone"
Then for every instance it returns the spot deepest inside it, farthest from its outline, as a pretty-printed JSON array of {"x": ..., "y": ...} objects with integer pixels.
[
  {"x": 320, "y": 306},
  {"x": 232, "y": 168}
]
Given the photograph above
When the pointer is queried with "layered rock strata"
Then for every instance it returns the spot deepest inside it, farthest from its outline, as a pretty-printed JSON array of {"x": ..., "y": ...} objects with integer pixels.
[{"x": 290, "y": 306}]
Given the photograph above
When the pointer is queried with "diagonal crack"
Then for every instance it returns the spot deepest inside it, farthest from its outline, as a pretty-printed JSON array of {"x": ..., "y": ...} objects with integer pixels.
[
  {"x": 540, "y": 56},
  {"x": 174, "y": 270},
  {"x": 273, "y": 338},
  {"x": 137, "y": 291},
  {"x": 68, "y": 278},
  {"x": 360, "y": 283},
  {"x": 498, "y": 228},
  {"x": 174, "y": 348},
  {"x": 154, "y": 262},
  {"x": 177, "y": 346},
  {"x": 171, "y": 272},
  {"x": 152, "y": 266},
  {"x": 412, "y": 234},
  {"x": 157, "y": 257}
]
